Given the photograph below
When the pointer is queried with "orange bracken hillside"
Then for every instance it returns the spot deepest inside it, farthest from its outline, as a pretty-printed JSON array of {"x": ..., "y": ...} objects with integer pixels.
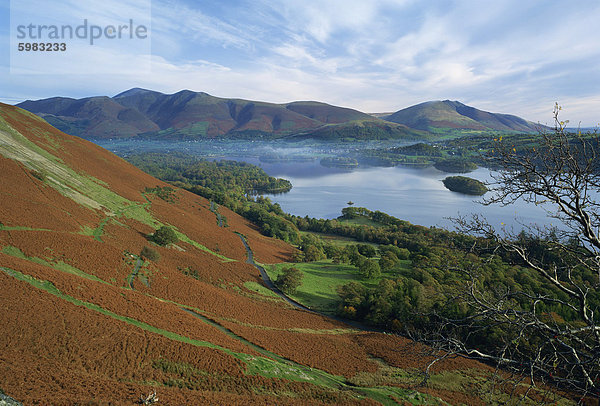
[{"x": 86, "y": 320}]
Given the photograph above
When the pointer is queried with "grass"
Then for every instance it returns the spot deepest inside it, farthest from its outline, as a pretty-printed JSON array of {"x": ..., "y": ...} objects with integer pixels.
[
  {"x": 255, "y": 365},
  {"x": 321, "y": 278},
  {"x": 483, "y": 385},
  {"x": 84, "y": 189},
  {"x": 361, "y": 221},
  {"x": 22, "y": 228},
  {"x": 385, "y": 375},
  {"x": 22, "y": 140},
  {"x": 99, "y": 231},
  {"x": 50, "y": 288},
  {"x": 337, "y": 240},
  {"x": 87, "y": 230},
  {"x": 260, "y": 289},
  {"x": 138, "y": 212},
  {"x": 185, "y": 238}
]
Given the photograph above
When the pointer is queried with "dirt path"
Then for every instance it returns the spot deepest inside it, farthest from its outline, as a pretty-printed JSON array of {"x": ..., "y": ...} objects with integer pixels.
[
  {"x": 214, "y": 208},
  {"x": 135, "y": 271},
  {"x": 267, "y": 280}
]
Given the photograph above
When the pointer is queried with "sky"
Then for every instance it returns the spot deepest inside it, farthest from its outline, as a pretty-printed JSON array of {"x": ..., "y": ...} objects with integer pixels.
[{"x": 517, "y": 57}]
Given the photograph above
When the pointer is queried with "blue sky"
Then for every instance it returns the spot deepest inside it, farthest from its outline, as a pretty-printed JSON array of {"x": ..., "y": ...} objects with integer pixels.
[{"x": 517, "y": 57}]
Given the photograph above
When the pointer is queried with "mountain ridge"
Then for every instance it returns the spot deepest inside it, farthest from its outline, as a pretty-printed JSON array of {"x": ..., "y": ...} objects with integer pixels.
[
  {"x": 190, "y": 115},
  {"x": 194, "y": 115},
  {"x": 451, "y": 114}
]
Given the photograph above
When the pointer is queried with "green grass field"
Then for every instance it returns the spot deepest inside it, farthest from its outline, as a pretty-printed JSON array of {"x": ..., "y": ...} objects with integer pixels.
[
  {"x": 361, "y": 221},
  {"x": 321, "y": 279},
  {"x": 336, "y": 239}
]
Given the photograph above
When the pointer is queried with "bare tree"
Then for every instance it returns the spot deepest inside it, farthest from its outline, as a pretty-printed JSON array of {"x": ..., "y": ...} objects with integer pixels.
[{"x": 560, "y": 171}]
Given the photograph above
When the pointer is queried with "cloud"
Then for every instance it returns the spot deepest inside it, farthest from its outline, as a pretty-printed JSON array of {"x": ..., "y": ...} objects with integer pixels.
[
  {"x": 321, "y": 20},
  {"x": 511, "y": 56},
  {"x": 187, "y": 24}
]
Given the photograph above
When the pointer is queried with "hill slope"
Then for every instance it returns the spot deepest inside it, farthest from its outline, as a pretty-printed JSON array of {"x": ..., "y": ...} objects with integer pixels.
[
  {"x": 194, "y": 115},
  {"x": 439, "y": 115},
  {"x": 96, "y": 117},
  {"x": 86, "y": 319}
]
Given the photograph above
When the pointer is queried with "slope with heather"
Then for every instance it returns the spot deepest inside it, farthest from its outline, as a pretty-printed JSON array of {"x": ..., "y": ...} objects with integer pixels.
[{"x": 87, "y": 319}]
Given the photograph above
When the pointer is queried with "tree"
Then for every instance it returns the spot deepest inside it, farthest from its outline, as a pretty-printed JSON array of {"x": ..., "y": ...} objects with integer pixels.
[
  {"x": 289, "y": 280},
  {"x": 400, "y": 253},
  {"x": 164, "y": 236},
  {"x": 367, "y": 250},
  {"x": 388, "y": 261},
  {"x": 150, "y": 254},
  {"x": 403, "y": 254},
  {"x": 351, "y": 254},
  {"x": 352, "y": 296},
  {"x": 312, "y": 253},
  {"x": 368, "y": 268},
  {"x": 332, "y": 252},
  {"x": 562, "y": 172}
]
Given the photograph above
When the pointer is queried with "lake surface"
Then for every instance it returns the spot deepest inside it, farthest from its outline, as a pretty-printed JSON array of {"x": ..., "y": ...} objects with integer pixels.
[{"x": 416, "y": 195}]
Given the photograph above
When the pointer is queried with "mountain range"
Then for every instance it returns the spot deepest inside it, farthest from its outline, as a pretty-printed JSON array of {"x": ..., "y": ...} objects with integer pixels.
[{"x": 188, "y": 115}]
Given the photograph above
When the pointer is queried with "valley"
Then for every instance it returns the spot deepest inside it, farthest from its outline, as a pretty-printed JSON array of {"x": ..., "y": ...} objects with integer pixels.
[
  {"x": 299, "y": 203},
  {"x": 111, "y": 312},
  {"x": 76, "y": 331}
]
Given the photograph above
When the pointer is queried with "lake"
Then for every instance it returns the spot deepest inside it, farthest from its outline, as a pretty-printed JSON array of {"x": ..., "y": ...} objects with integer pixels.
[
  {"x": 413, "y": 194},
  {"x": 416, "y": 195}
]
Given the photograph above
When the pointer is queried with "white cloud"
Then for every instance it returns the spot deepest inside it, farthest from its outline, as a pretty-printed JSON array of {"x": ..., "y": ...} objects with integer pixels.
[
  {"x": 320, "y": 19},
  {"x": 511, "y": 56},
  {"x": 183, "y": 23}
]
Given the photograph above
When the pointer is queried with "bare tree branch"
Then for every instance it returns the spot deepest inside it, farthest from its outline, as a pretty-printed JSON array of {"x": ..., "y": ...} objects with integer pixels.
[{"x": 561, "y": 173}]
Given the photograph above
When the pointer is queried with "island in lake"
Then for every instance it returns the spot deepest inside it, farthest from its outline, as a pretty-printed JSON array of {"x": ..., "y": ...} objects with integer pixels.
[{"x": 466, "y": 185}]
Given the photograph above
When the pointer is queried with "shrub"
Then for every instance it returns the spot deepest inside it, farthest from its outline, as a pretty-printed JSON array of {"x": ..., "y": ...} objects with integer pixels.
[
  {"x": 38, "y": 175},
  {"x": 165, "y": 193},
  {"x": 190, "y": 272},
  {"x": 164, "y": 236},
  {"x": 149, "y": 253}
]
